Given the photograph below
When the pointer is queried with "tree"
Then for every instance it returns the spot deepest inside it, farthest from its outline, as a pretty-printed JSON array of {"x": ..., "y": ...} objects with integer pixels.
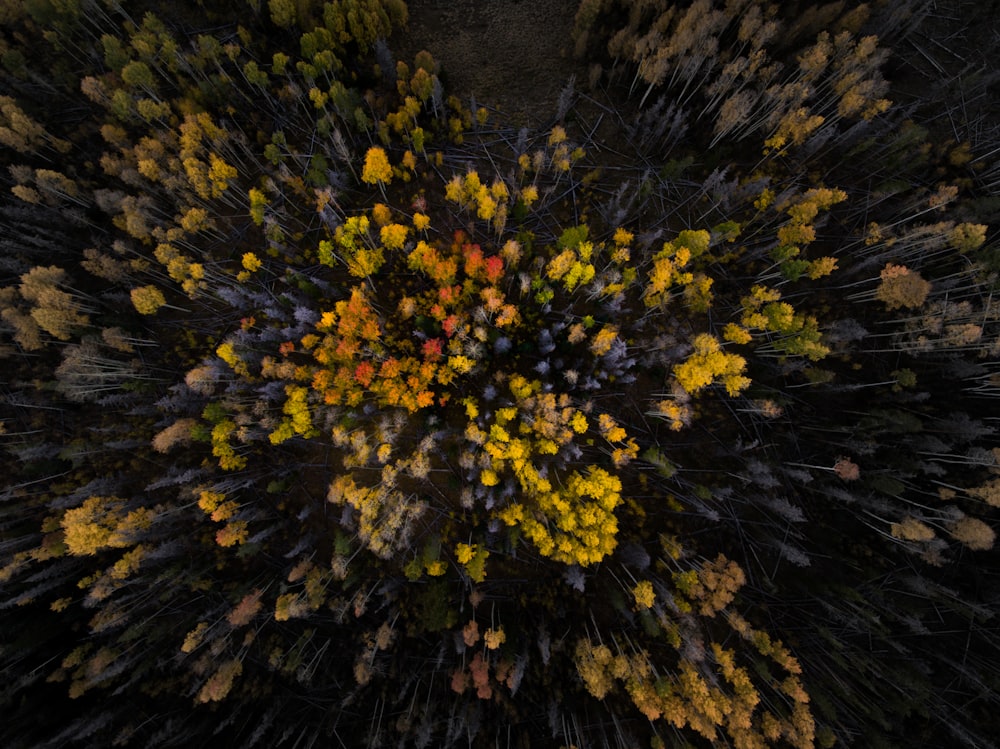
[
  {"x": 377, "y": 169},
  {"x": 147, "y": 299},
  {"x": 901, "y": 287},
  {"x": 709, "y": 363}
]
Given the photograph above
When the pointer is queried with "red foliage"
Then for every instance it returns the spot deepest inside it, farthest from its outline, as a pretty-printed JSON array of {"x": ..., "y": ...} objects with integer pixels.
[
  {"x": 494, "y": 269},
  {"x": 474, "y": 262},
  {"x": 449, "y": 294},
  {"x": 433, "y": 349},
  {"x": 450, "y": 325},
  {"x": 459, "y": 681},
  {"x": 363, "y": 373}
]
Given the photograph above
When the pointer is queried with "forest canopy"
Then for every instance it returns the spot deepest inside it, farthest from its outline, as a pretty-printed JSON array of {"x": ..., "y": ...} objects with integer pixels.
[{"x": 341, "y": 408}]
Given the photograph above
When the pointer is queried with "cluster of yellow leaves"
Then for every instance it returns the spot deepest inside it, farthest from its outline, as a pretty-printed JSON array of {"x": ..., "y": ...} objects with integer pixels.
[
  {"x": 709, "y": 364},
  {"x": 147, "y": 299},
  {"x": 799, "y": 232},
  {"x": 539, "y": 423},
  {"x": 216, "y": 506},
  {"x": 102, "y": 523},
  {"x": 988, "y": 492},
  {"x": 625, "y": 448},
  {"x": 712, "y": 587},
  {"x": 198, "y": 135},
  {"x": 386, "y": 516},
  {"x": 251, "y": 262},
  {"x": 227, "y": 353},
  {"x": 377, "y": 169},
  {"x": 393, "y": 236},
  {"x": 572, "y": 524},
  {"x": 298, "y": 420},
  {"x": 489, "y": 202},
  {"x": 404, "y": 118},
  {"x": 967, "y": 237},
  {"x": 357, "y": 250},
  {"x": 258, "y": 201},
  {"x": 677, "y": 412},
  {"x": 473, "y": 557},
  {"x": 973, "y": 533},
  {"x": 248, "y": 607},
  {"x": 643, "y": 594},
  {"x": 194, "y": 638},
  {"x": 229, "y": 460},
  {"x": 795, "y": 127},
  {"x": 180, "y": 268},
  {"x": 381, "y": 214},
  {"x": 572, "y": 266},
  {"x": 669, "y": 271},
  {"x": 494, "y": 638},
  {"x": 221, "y": 682},
  {"x": 604, "y": 340},
  {"x": 798, "y": 334},
  {"x": 911, "y": 529},
  {"x": 699, "y": 696},
  {"x": 220, "y": 509},
  {"x": 427, "y": 258}
]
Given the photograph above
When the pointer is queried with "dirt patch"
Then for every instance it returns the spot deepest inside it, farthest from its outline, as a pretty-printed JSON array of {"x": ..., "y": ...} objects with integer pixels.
[{"x": 513, "y": 55}]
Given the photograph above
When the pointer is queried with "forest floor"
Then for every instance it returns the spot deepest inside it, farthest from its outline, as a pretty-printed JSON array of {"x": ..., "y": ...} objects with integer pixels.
[{"x": 513, "y": 55}]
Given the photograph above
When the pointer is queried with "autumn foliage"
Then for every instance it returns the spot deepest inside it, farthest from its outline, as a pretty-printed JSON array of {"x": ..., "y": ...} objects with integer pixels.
[{"x": 340, "y": 411}]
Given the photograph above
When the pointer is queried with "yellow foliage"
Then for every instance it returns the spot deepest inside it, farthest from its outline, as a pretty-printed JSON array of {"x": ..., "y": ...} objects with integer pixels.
[
  {"x": 209, "y": 501},
  {"x": 602, "y": 342},
  {"x": 574, "y": 524},
  {"x": 610, "y": 429},
  {"x": 232, "y": 534},
  {"x": 93, "y": 526},
  {"x": 377, "y": 168},
  {"x": 221, "y": 682},
  {"x": 708, "y": 364},
  {"x": 193, "y": 638},
  {"x": 227, "y": 353},
  {"x": 393, "y": 236},
  {"x": 147, "y": 299},
  {"x": 643, "y": 594},
  {"x": 381, "y": 214},
  {"x": 494, "y": 638},
  {"x": 821, "y": 267},
  {"x": 436, "y": 568},
  {"x": 464, "y": 552},
  {"x": 251, "y": 262},
  {"x": 736, "y": 333},
  {"x": 220, "y": 173},
  {"x": 622, "y": 236},
  {"x": 678, "y": 413}
]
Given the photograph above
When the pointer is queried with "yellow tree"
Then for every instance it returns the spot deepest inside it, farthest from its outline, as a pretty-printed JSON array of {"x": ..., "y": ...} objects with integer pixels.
[
  {"x": 709, "y": 364},
  {"x": 377, "y": 169},
  {"x": 147, "y": 299}
]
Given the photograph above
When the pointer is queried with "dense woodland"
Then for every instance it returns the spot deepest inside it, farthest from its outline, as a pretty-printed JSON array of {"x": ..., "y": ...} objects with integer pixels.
[{"x": 337, "y": 410}]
